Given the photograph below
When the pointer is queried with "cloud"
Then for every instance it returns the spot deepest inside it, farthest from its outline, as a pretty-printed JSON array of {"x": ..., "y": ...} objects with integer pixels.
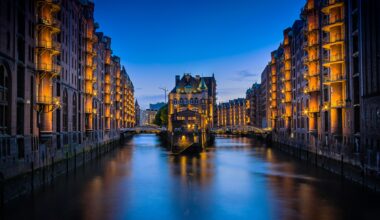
[{"x": 243, "y": 75}]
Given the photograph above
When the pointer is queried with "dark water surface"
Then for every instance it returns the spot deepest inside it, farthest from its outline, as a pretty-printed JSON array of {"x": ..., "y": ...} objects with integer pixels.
[{"x": 239, "y": 178}]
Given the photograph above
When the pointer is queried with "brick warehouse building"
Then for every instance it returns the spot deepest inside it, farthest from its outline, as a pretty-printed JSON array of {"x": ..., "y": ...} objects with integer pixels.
[
  {"x": 62, "y": 89},
  {"x": 324, "y": 82}
]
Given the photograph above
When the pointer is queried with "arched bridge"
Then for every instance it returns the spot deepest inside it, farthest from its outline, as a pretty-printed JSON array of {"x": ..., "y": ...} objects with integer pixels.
[
  {"x": 151, "y": 129},
  {"x": 247, "y": 129}
]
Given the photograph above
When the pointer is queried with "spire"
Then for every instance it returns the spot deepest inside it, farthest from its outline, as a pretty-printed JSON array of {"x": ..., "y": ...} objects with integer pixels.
[{"x": 202, "y": 84}]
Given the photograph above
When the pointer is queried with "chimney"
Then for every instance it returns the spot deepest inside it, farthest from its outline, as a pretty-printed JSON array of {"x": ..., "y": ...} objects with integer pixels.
[{"x": 177, "y": 79}]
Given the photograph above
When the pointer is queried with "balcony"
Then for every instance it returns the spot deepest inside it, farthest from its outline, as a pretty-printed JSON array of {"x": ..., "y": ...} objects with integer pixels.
[
  {"x": 53, "y": 24},
  {"x": 337, "y": 59},
  {"x": 311, "y": 89},
  {"x": 331, "y": 4},
  {"x": 49, "y": 68},
  {"x": 107, "y": 100},
  {"x": 312, "y": 44},
  {"x": 336, "y": 78},
  {"x": 288, "y": 99},
  {"x": 308, "y": 60},
  {"x": 333, "y": 40},
  {"x": 332, "y": 22},
  {"x": 53, "y": 4},
  {"x": 52, "y": 46},
  {"x": 89, "y": 63},
  {"x": 311, "y": 74},
  {"x": 48, "y": 100},
  {"x": 89, "y": 91},
  {"x": 337, "y": 104},
  {"x": 88, "y": 110},
  {"x": 310, "y": 111}
]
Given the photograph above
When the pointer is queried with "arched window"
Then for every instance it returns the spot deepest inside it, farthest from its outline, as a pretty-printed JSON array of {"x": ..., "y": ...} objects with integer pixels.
[
  {"x": 185, "y": 102},
  {"x": 65, "y": 111},
  {"x": 175, "y": 101},
  {"x": 4, "y": 87},
  {"x": 196, "y": 101},
  {"x": 74, "y": 113}
]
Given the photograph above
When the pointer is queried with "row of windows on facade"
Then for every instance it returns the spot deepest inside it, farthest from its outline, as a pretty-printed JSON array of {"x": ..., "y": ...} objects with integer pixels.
[{"x": 186, "y": 101}]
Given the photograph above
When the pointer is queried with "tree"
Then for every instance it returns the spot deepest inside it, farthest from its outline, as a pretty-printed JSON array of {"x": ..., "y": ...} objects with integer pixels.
[{"x": 161, "y": 118}]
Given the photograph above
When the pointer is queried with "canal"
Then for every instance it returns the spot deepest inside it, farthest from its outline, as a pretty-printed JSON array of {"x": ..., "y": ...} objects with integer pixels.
[{"x": 238, "y": 178}]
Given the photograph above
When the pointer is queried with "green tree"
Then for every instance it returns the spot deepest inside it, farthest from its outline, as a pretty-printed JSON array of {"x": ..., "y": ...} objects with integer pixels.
[{"x": 161, "y": 118}]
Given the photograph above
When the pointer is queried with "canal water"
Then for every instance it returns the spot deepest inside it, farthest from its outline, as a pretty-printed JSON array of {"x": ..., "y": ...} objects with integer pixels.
[{"x": 237, "y": 178}]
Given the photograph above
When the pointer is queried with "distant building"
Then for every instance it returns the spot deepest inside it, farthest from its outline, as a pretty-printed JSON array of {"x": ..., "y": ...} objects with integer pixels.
[
  {"x": 192, "y": 103},
  {"x": 232, "y": 113},
  {"x": 253, "y": 107},
  {"x": 148, "y": 116},
  {"x": 265, "y": 97},
  {"x": 157, "y": 106},
  {"x": 137, "y": 113}
]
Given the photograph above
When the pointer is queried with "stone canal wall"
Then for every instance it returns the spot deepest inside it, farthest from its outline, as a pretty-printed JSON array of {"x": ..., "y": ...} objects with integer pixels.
[
  {"x": 336, "y": 164},
  {"x": 34, "y": 178}
]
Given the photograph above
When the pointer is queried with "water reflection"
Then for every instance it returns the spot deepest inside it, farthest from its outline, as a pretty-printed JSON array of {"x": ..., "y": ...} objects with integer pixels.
[{"x": 238, "y": 178}]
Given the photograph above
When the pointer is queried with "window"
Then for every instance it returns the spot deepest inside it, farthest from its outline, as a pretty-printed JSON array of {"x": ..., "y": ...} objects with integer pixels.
[
  {"x": 191, "y": 101},
  {"x": 21, "y": 149},
  {"x": 74, "y": 113},
  {"x": 175, "y": 101},
  {"x": 4, "y": 86},
  {"x": 20, "y": 81},
  {"x": 196, "y": 101},
  {"x": 8, "y": 40}
]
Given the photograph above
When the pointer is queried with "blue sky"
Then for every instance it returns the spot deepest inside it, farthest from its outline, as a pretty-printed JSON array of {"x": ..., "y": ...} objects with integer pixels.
[{"x": 158, "y": 39}]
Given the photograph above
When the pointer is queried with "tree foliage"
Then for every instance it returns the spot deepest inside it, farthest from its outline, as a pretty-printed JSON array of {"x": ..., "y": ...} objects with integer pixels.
[{"x": 161, "y": 118}]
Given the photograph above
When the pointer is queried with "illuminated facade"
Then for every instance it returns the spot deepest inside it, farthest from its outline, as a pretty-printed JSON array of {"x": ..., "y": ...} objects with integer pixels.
[
  {"x": 321, "y": 80},
  {"x": 265, "y": 94},
  {"x": 232, "y": 113},
  {"x": 62, "y": 91},
  {"x": 252, "y": 105},
  {"x": 195, "y": 95}
]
